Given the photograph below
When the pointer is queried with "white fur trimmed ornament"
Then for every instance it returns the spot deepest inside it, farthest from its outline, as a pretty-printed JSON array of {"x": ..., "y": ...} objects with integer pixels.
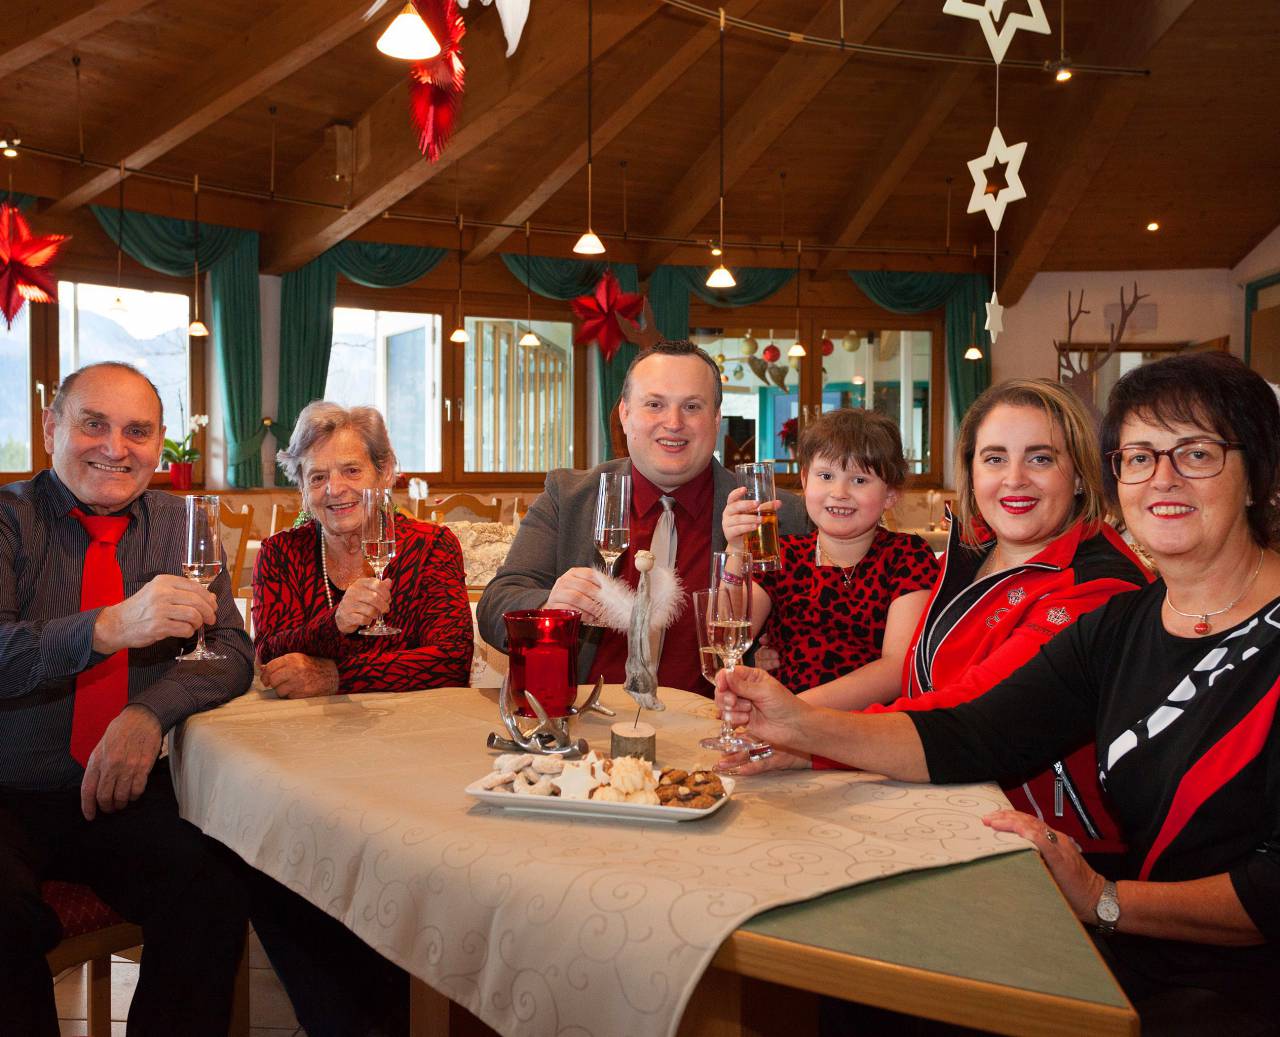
[
  {"x": 617, "y": 600},
  {"x": 652, "y": 606}
]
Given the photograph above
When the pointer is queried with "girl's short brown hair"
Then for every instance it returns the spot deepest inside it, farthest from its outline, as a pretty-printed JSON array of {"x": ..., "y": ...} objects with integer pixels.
[
  {"x": 863, "y": 437},
  {"x": 1078, "y": 434}
]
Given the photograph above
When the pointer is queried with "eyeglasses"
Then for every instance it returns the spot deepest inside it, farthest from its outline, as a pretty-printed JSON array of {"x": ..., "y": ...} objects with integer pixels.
[{"x": 1200, "y": 459}]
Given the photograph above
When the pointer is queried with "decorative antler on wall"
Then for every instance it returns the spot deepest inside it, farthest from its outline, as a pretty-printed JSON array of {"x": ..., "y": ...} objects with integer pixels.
[{"x": 1082, "y": 376}]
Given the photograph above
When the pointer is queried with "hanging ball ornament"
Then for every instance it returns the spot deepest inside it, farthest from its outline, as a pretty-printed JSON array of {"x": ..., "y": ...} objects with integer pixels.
[
  {"x": 724, "y": 377},
  {"x": 749, "y": 344},
  {"x": 771, "y": 353},
  {"x": 720, "y": 358},
  {"x": 828, "y": 347},
  {"x": 850, "y": 343}
]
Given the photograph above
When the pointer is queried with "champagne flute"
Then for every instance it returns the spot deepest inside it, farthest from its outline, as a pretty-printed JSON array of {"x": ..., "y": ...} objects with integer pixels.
[
  {"x": 613, "y": 517},
  {"x": 729, "y": 630},
  {"x": 378, "y": 540},
  {"x": 203, "y": 559},
  {"x": 708, "y": 657}
]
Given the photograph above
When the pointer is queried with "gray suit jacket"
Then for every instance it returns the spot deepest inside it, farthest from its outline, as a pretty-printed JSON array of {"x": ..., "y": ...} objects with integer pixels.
[{"x": 557, "y": 535}]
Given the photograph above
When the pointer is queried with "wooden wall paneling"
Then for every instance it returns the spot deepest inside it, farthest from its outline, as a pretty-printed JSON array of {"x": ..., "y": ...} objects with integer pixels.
[
  {"x": 390, "y": 165},
  {"x": 251, "y": 62},
  {"x": 780, "y": 95}
]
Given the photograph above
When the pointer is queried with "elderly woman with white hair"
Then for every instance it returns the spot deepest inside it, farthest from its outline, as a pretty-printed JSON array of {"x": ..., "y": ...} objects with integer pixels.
[{"x": 312, "y": 589}]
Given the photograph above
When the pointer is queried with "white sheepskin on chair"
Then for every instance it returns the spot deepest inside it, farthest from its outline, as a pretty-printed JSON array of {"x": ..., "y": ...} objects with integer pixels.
[{"x": 617, "y": 599}]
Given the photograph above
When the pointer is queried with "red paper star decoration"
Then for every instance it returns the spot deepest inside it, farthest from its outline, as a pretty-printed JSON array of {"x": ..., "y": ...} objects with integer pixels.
[
  {"x": 595, "y": 314},
  {"x": 435, "y": 86},
  {"x": 22, "y": 262}
]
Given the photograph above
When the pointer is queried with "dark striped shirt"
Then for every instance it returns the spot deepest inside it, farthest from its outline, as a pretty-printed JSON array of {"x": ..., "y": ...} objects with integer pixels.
[{"x": 45, "y": 640}]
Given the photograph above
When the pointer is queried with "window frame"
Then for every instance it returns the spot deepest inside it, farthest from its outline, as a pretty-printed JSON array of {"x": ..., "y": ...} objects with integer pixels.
[
  {"x": 45, "y": 350},
  {"x": 412, "y": 299},
  {"x": 813, "y": 319}
]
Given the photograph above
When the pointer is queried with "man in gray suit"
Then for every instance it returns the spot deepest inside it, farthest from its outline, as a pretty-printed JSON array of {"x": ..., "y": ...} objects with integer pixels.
[{"x": 670, "y": 411}]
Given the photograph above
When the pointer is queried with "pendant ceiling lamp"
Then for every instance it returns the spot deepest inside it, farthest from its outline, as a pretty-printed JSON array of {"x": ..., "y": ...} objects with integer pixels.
[
  {"x": 589, "y": 244},
  {"x": 974, "y": 352},
  {"x": 459, "y": 334},
  {"x": 118, "y": 306},
  {"x": 721, "y": 277},
  {"x": 1061, "y": 68},
  {"x": 528, "y": 338},
  {"x": 197, "y": 328},
  {"x": 408, "y": 38},
  {"x": 797, "y": 350}
]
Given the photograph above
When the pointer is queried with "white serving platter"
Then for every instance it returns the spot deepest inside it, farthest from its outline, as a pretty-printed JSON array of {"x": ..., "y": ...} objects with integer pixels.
[{"x": 595, "y": 808}]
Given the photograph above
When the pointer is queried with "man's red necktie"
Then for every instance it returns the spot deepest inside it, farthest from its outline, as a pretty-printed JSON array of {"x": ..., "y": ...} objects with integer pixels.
[{"x": 102, "y": 691}]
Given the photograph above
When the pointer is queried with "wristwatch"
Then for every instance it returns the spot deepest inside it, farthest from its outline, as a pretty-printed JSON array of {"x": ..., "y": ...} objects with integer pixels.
[{"x": 1107, "y": 909}]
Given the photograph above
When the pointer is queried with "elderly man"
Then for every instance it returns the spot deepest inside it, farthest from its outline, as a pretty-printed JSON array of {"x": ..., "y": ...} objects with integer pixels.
[
  {"x": 670, "y": 411},
  {"x": 92, "y": 616}
]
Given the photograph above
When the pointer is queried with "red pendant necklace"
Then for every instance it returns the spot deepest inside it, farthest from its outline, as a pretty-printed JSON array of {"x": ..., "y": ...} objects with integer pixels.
[{"x": 1203, "y": 625}]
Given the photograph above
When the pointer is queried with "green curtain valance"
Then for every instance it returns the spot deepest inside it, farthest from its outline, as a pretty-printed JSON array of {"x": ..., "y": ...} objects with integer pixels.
[
  {"x": 21, "y": 202},
  {"x": 671, "y": 286},
  {"x": 230, "y": 256},
  {"x": 307, "y": 297},
  {"x": 964, "y": 296}
]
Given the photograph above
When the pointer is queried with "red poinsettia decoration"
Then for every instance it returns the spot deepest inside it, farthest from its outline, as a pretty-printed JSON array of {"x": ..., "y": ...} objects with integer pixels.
[
  {"x": 435, "y": 86},
  {"x": 595, "y": 314},
  {"x": 23, "y": 261},
  {"x": 789, "y": 433}
]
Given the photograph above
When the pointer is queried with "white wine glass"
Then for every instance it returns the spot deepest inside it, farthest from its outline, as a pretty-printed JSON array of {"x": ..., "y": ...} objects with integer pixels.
[
  {"x": 728, "y": 619},
  {"x": 378, "y": 541},
  {"x": 613, "y": 517},
  {"x": 708, "y": 657},
  {"x": 202, "y": 560}
]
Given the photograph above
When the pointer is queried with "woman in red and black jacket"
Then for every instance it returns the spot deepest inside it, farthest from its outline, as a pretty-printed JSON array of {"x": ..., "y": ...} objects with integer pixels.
[{"x": 1030, "y": 552}]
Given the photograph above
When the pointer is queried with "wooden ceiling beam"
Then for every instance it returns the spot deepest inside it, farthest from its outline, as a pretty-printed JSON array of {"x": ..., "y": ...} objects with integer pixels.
[
  {"x": 623, "y": 102},
  {"x": 389, "y": 165},
  {"x": 894, "y": 159},
  {"x": 795, "y": 79},
  {"x": 253, "y": 61},
  {"x": 35, "y": 28},
  {"x": 1084, "y": 124}
]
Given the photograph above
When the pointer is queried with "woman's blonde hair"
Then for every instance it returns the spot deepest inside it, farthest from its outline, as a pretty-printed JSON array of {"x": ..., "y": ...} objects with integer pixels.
[{"x": 1078, "y": 433}]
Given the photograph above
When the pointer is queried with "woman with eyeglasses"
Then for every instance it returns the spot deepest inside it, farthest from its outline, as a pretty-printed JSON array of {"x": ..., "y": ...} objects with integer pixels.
[{"x": 1176, "y": 683}]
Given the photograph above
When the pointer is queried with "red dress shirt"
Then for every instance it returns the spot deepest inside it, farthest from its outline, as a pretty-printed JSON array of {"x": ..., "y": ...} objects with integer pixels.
[{"x": 679, "y": 667}]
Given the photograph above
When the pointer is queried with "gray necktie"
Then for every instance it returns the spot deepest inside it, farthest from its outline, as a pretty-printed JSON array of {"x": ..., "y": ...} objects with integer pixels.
[{"x": 663, "y": 547}]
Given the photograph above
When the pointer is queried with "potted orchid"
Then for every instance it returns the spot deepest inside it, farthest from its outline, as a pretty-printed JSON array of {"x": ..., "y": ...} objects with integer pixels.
[{"x": 182, "y": 453}]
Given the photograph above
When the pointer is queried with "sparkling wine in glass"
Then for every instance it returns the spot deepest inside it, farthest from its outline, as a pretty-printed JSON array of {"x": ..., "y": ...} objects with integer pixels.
[
  {"x": 202, "y": 560},
  {"x": 761, "y": 542},
  {"x": 613, "y": 517},
  {"x": 378, "y": 541},
  {"x": 728, "y": 618},
  {"x": 708, "y": 657}
]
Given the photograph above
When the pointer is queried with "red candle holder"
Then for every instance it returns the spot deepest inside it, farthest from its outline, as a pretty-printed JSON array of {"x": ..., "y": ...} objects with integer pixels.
[{"x": 542, "y": 647}]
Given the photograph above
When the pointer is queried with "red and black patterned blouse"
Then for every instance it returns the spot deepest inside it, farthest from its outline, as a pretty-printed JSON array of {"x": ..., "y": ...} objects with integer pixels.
[
  {"x": 428, "y": 604},
  {"x": 826, "y": 621}
]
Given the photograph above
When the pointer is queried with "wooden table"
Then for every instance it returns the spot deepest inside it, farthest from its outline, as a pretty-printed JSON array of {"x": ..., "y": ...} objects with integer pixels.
[{"x": 990, "y": 944}]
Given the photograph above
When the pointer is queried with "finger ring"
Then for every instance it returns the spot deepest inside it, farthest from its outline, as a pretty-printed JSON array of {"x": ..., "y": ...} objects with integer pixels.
[{"x": 1051, "y": 835}]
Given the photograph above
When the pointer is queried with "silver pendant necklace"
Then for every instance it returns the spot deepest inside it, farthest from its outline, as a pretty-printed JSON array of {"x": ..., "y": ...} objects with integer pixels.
[
  {"x": 846, "y": 575},
  {"x": 1203, "y": 626}
]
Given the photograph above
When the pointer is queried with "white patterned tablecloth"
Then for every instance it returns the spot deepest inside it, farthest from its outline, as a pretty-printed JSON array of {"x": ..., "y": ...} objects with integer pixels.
[{"x": 538, "y": 924}]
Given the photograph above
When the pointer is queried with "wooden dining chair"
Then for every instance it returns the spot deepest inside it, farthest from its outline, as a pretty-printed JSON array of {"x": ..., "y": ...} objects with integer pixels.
[
  {"x": 241, "y": 522},
  {"x": 91, "y": 934},
  {"x": 490, "y": 512},
  {"x": 282, "y": 518}
]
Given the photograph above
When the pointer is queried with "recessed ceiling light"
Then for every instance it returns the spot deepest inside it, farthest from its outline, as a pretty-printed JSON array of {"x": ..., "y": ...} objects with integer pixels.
[{"x": 1153, "y": 226}]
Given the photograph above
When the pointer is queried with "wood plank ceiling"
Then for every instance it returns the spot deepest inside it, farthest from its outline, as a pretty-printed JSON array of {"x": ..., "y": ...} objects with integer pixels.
[{"x": 859, "y": 146}]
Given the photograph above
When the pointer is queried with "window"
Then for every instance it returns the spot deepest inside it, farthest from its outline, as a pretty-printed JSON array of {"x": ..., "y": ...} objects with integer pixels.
[
  {"x": 146, "y": 329},
  {"x": 888, "y": 372},
  {"x": 15, "y": 394},
  {"x": 518, "y": 401},
  {"x": 391, "y": 361}
]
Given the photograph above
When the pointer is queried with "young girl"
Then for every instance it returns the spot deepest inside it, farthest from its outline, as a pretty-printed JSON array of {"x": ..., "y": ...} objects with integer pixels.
[{"x": 848, "y": 595}]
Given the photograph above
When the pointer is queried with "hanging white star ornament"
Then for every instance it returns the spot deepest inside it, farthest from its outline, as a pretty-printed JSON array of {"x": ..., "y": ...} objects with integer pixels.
[
  {"x": 986, "y": 14},
  {"x": 994, "y": 202},
  {"x": 513, "y": 14},
  {"x": 995, "y": 318}
]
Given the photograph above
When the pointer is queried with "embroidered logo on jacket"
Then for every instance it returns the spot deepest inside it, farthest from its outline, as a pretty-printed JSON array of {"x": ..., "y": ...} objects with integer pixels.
[
  {"x": 1059, "y": 616},
  {"x": 1017, "y": 596}
]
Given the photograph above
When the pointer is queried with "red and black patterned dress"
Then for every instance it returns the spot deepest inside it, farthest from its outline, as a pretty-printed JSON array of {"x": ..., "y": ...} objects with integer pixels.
[
  {"x": 428, "y": 604},
  {"x": 827, "y": 621}
]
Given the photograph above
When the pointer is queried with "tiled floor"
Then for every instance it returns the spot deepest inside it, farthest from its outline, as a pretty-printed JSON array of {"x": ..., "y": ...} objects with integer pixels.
[{"x": 270, "y": 1014}]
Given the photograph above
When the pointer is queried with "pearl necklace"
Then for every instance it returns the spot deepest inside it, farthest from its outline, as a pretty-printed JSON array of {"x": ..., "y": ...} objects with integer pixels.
[
  {"x": 1203, "y": 626},
  {"x": 324, "y": 569}
]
